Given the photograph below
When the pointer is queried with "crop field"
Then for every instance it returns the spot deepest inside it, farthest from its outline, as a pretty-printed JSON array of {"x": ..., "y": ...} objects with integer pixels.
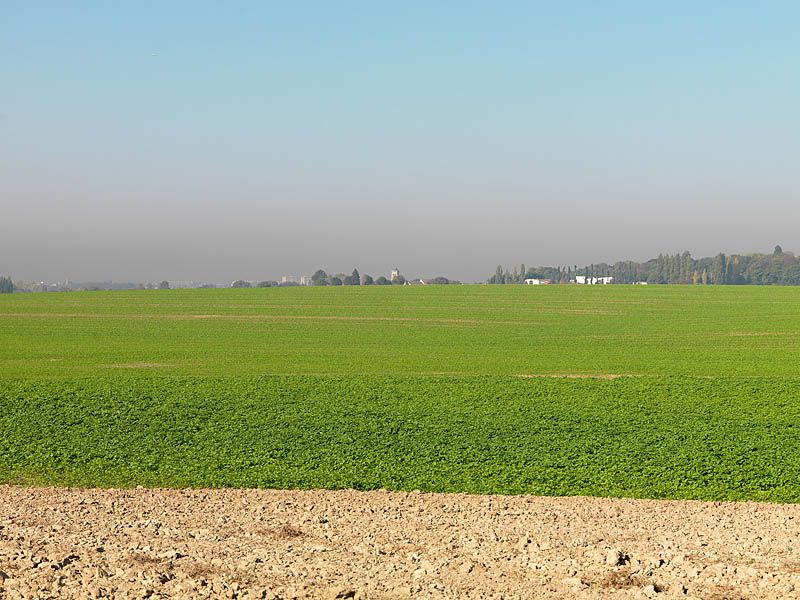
[{"x": 658, "y": 391}]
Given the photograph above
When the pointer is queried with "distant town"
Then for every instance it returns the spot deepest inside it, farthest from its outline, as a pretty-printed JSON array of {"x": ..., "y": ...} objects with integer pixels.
[
  {"x": 319, "y": 278},
  {"x": 776, "y": 268}
]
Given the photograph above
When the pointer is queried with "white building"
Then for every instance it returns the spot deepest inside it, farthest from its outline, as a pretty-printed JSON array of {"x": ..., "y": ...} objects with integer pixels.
[
  {"x": 537, "y": 281},
  {"x": 395, "y": 275},
  {"x": 584, "y": 280}
]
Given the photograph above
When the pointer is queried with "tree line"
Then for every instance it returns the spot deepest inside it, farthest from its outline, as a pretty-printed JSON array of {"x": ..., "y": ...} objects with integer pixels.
[
  {"x": 778, "y": 268},
  {"x": 320, "y": 277}
]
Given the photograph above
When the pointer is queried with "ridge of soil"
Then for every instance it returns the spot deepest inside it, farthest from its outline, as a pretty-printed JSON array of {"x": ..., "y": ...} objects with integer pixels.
[{"x": 140, "y": 543}]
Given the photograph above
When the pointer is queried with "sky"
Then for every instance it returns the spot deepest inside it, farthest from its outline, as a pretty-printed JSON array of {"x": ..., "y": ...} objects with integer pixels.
[{"x": 213, "y": 141}]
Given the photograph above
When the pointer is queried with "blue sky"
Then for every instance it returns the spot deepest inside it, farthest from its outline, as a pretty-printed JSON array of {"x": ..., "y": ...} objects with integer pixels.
[{"x": 210, "y": 140}]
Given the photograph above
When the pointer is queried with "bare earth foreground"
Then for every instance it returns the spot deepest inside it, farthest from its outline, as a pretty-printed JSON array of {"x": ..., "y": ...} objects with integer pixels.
[{"x": 347, "y": 544}]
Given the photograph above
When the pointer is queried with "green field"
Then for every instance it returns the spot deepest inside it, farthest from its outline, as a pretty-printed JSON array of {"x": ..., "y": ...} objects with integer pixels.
[{"x": 694, "y": 391}]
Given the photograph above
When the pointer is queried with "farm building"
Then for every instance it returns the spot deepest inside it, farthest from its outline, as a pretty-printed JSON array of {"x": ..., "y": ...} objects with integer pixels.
[
  {"x": 534, "y": 281},
  {"x": 585, "y": 280}
]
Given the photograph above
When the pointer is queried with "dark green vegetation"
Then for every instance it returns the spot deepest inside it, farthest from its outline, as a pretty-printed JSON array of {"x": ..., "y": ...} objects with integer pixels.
[
  {"x": 408, "y": 388},
  {"x": 6, "y": 285},
  {"x": 778, "y": 268}
]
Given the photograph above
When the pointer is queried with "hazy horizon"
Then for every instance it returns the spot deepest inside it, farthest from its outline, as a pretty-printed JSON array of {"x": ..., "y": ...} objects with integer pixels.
[
  {"x": 481, "y": 278},
  {"x": 208, "y": 142}
]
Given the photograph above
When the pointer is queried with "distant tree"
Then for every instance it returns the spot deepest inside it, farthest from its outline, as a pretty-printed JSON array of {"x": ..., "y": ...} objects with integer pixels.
[
  {"x": 792, "y": 276},
  {"x": 6, "y": 285},
  {"x": 778, "y": 251},
  {"x": 695, "y": 278},
  {"x": 382, "y": 281},
  {"x": 266, "y": 284},
  {"x": 164, "y": 285},
  {"x": 732, "y": 270},
  {"x": 353, "y": 279},
  {"x": 336, "y": 281},
  {"x": 319, "y": 278},
  {"x": 239, "y": 283},
  {"x": 719, "y": 269},
  {"x": 704, "y": 277},
  {"x": 688, "y": 266},
  {"x": 367, "y": 280},
  {"x": 498, "y": 276},
  {"x": 288, "y": 284},
  {"x": 440, "y": 280},
  {"x": 399, "y": 280}
]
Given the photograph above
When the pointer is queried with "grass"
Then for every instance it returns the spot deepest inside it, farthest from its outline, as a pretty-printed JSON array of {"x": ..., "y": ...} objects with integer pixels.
[{"x": 408, "y": 388}]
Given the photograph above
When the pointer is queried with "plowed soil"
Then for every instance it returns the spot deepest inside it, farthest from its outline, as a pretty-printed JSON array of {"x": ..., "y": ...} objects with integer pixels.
[{"x": 65, "y": 543}]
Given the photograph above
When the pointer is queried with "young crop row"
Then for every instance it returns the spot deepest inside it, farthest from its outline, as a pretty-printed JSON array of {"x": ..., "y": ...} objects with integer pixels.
[{"x": 660, "y": 437}]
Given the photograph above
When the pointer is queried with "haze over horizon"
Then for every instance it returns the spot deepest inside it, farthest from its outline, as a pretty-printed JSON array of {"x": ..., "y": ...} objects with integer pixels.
[{"x": 205, "y": 141}]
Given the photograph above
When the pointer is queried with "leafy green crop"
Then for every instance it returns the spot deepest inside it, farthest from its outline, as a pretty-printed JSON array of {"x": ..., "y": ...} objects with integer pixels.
[{"x": 408, "y": 388}]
